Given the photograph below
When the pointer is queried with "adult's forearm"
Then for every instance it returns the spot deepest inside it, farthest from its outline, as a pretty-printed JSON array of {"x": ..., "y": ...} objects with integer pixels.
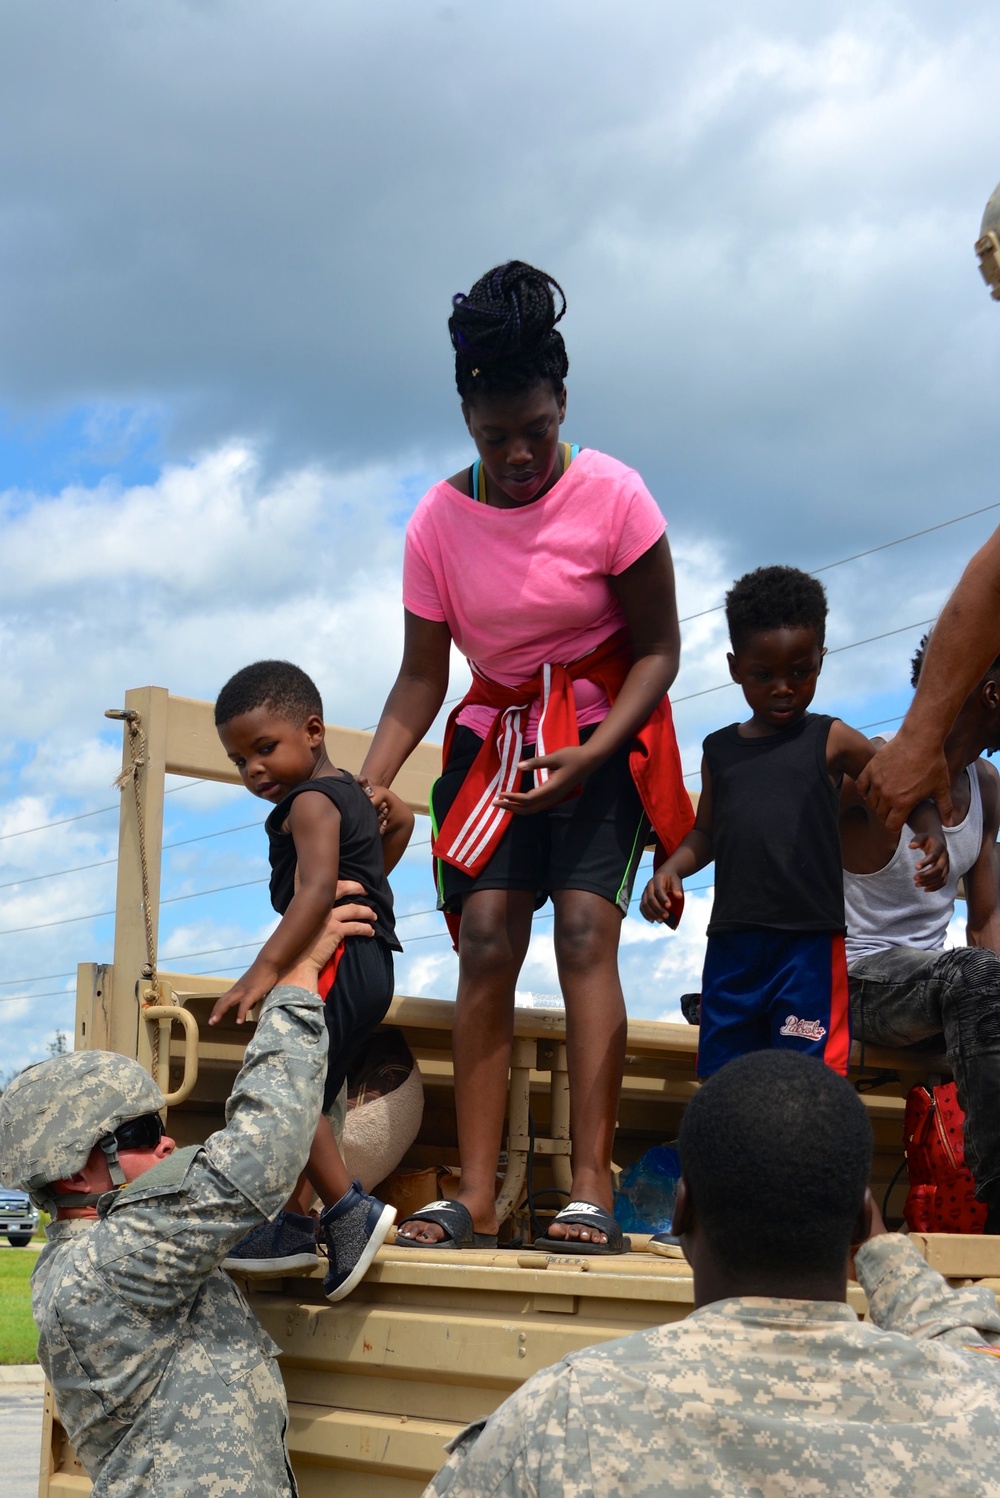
[
  {"x": 409, "y": 711},
  {"x": 965, "y": 641},
  {"x": 646, "y": 684},
  {"x": 246, "y": 1170},
  {"x": 906, "y": 1295},
  {"x": 272, "y": 1110}
]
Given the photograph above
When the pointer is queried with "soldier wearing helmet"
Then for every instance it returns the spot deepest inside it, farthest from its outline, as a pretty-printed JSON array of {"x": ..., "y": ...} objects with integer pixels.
[
  {"x": 163, "y": 1378},
  {"x": 66, "y": 1123}
]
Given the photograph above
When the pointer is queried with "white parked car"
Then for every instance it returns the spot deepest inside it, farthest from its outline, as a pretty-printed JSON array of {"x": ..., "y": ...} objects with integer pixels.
[{"x": 18, "y": 1218}]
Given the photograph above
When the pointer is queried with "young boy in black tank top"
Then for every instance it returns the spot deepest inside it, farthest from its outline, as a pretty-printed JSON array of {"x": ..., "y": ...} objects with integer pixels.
[
  {"x": 324, "y": 847},
  {"x": 775, "y": 972}
]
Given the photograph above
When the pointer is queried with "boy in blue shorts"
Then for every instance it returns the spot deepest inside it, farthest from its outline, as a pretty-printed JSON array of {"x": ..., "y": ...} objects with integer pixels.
[
  {"x": 323, "y": 834},
  {"x": 775, "y": 972}
]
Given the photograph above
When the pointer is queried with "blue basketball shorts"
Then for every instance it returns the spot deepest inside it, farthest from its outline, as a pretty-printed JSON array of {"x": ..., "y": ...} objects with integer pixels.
[{"x": 768, "y": 989}]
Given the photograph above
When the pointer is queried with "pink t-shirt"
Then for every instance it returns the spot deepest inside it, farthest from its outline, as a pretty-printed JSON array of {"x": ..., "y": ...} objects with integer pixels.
[{"x": 518, "y": 588}]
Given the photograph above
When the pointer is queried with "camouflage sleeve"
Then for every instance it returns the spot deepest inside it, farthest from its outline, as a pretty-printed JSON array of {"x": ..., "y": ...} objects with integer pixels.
[
  {"x": 535, "y": 1444},
  {"x": 274, "y": 1107},
  {"x": 906, "y": 1295},
  {"x": 170, "y": 1228}
]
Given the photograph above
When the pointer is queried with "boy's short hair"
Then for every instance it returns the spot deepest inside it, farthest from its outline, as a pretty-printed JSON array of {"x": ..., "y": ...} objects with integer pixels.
[
  {"x": 775, "y": 598},
  {"x": 279, "y": 685},
  {"x": 776, "y": 1150}
]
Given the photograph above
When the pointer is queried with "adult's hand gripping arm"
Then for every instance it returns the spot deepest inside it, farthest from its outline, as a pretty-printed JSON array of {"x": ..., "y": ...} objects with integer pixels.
[{"x": 964, "y": 642}]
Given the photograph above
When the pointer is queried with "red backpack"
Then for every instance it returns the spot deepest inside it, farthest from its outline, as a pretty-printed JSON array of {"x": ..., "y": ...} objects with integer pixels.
[{"x": 942, "y": 1195}]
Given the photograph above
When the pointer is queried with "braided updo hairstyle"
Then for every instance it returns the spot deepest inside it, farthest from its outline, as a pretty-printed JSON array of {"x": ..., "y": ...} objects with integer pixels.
[{"x": 504, "y": 333}]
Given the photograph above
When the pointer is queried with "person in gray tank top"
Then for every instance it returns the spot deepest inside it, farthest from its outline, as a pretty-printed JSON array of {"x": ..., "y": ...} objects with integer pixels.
[{"x": 905, "y": 986}]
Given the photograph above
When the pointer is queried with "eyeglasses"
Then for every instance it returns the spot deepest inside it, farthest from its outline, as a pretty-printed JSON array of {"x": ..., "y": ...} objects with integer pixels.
[{"x": 142, "y": 1133}]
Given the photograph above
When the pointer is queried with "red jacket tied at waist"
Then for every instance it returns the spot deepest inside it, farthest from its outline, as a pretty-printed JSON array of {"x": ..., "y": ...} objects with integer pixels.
[{"x": 469, "y": 834}]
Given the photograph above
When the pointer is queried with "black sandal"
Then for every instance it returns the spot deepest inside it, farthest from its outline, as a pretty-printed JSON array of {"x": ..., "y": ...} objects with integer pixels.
[
  {"x": 586, "y": 1214},
  {"x": 456, "y": 1220}
]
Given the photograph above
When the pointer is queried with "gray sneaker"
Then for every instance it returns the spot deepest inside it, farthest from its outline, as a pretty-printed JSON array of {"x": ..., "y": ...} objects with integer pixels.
[
  {"x": 353, "y": 1231},
  {"x": 285, "y": 1246}
]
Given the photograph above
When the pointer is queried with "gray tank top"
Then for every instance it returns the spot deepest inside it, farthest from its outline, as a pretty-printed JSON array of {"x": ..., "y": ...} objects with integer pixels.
[{"x": 886, "y": 909}]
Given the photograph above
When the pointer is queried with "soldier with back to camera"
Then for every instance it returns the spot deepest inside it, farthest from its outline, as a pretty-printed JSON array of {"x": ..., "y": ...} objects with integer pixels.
[{"x": 163, "y": 1378}]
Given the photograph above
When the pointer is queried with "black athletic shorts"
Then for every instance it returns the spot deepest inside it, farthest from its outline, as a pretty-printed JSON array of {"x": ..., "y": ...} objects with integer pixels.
[
  {"x": 593, "y": 841},
  {"x": 355, "y": 1005}
]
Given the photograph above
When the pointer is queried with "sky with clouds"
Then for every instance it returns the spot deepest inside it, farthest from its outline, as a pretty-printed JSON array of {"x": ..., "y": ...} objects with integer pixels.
[{"x": 229, "y": 235}]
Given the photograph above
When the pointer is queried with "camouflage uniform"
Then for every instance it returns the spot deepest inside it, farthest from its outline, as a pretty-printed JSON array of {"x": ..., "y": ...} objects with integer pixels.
[
  {"x": 765, "y": 1397},
  {"x": 163, "y": 1377}
]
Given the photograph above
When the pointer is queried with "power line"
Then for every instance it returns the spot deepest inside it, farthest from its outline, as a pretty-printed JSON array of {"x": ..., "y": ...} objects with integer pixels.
[
  {"x": 82, "y": 868},
  {"x": 103, "y": 863},
  {"x": 16, "y": 998},
  {"x": 40, "y": 978},
  {"x": 870, "y": 551},
  {"x": 97, "y": 812}
]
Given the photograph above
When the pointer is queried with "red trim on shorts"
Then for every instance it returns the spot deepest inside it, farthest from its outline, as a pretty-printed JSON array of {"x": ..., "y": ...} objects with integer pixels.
[
  {"x": 837, "y": 1051},
  {"x": 328, "y": 975}
]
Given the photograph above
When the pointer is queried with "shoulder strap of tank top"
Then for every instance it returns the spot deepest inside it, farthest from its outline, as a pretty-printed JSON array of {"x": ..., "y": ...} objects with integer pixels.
[
  {"x": 477, "y": 478},
  {"x": 975, "y": 796}
]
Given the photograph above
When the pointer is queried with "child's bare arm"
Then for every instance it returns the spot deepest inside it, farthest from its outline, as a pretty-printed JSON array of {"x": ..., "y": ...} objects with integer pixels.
[
  {"x": 847, "y": 750},
  {"x": 314, "y": 823},
  {"x": 667, "y": 883},
  {"x": 928, "y": 834},
  {"x": 847, "y": 753}
]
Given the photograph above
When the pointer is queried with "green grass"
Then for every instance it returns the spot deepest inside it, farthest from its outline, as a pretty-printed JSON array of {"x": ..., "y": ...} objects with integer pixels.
[{"x": 18, "y": 1337}]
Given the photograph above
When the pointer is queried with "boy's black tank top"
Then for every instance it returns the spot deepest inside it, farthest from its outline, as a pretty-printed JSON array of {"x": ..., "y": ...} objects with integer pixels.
[
  {"x": 775, "y": 830},
  {"x": 360, "y": 850}
]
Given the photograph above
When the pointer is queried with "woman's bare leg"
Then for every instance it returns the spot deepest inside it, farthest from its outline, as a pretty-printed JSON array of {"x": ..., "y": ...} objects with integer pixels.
[
  {"x": 587, "y": 932},
  {"x": 493, "y": 938}
]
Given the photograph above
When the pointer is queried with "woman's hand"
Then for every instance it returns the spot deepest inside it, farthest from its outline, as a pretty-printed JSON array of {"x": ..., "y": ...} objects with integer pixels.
[
  {"x": 568, "y": 768},
  {"x": 379, "y": 798}
]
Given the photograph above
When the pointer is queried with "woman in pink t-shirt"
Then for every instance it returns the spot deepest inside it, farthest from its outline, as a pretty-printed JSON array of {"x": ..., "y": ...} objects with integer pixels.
[{"x": 550, "y": 571}]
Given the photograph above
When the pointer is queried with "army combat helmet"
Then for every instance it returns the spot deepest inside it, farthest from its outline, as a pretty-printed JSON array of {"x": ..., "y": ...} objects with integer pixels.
[
  {"x": 988, "y": 245},
  {"x": 55, "y": 1112}
]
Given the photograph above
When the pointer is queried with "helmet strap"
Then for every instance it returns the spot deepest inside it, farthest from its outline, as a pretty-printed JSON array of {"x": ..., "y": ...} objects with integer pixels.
[{"x": 109, "y": 1144}]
